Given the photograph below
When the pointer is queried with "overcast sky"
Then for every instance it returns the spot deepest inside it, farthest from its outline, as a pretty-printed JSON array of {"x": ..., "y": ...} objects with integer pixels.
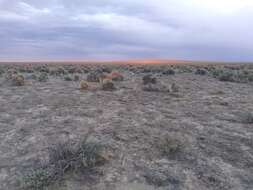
[{"x": 126, "y": 29}]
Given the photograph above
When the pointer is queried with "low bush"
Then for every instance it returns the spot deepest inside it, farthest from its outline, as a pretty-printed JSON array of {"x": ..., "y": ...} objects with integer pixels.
[
  {"x": 68, "y": 78},
  {"x": 201, "y": 71},
  {"x": 43, "y": 77},
  {"x": 169, "y": 72},
  {"x": 93, "y": 77},
  {"x": 18, "y": 80},
  {"x": 84, "y": 85},
  {"x": 148, "y": 79},
  {"x": 170, "y": 145},
  {"x": 64, "y": 158},
  {"x": 247, "y": 118},
  {"x": 108, "y": 85},
  {"x": 76, "y": 77}
]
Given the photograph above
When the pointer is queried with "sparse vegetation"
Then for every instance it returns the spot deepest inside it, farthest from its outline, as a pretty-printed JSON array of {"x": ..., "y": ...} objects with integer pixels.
[
  {"x": 200, "y": 71},
  {"x": 18, "y": 80},
  {"x": 158, "y": 87},
  {"x": 43, "y": 77},
  {"x": 247, "y": 117},
  {"x": 63, "y": 158},
  {"x": 10, "y": 74},
  {"x": 31, "y": 77},
  {"x": 93, "y": 77},
  {"x": 170, "y": 145},
  {"x": 174, "y": 88},
  {"x": 186, "y": 122},
  {"x": 36, "y": 179},
  {"x": 227, "y": 76},
  {"x": 107, "y": 85},
  {"x": 232, "y": 75},
  {"x": 148, "y": 79},
  {"x": 115, "y": 76},
  {"x": 76, "y": 77},
  {"x": 84, "y": 85},
  {"x": 67, "y": 78},
  {"x": 169, "y": 72}
]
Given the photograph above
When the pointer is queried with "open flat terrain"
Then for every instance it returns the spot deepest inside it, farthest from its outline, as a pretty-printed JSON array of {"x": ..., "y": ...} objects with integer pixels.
[{"x": 190, "y": 128}]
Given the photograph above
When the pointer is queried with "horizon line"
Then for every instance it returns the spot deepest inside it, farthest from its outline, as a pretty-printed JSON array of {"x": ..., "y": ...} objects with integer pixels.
[{"x": 126, "y": 61}]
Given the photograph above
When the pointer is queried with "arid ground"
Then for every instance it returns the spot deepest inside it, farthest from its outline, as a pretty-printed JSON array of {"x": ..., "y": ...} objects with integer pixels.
[{"x": 186, "y": 128}]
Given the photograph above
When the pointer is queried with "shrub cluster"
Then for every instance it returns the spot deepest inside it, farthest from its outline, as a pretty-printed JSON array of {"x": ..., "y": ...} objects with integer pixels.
[
  {"x": 231, "y": 75},
  {"x": 63, "y": 158}
]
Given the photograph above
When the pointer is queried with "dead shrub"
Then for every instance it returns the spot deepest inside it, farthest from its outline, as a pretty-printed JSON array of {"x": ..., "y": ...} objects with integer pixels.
[
  {"x": 148, "y": 79},
  {"x": 18, "y": 80},
  {"x": 107, "y": 85},
  {"x": 84, "y": 85}
]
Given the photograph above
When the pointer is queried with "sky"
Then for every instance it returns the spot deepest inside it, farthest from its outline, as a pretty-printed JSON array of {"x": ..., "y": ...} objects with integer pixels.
[{"x": 213, "y": 30}]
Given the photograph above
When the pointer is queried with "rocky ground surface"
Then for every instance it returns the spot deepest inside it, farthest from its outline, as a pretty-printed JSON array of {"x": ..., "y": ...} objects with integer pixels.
[{"x": 207, "y": 120}]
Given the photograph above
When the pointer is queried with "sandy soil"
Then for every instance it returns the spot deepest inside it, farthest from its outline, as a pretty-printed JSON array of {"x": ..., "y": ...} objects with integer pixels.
[{"x": 206, "y": 115}]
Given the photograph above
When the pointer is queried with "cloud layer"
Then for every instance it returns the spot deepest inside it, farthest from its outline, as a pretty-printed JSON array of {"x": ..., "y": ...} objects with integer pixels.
[{"x": 126, "y": 29}]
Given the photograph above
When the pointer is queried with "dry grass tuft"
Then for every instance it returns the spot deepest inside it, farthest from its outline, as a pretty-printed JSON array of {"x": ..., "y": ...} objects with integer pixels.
[
  {"x": 84, "y": 85},
  {"x": 18, "y": 80},
  {"x": 64, "y": 158}
]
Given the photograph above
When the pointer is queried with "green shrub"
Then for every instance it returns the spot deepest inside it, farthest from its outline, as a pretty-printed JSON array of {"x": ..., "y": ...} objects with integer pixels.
[
  {"x": 169, "y": 72},
  {"x": 247, "y": 118},
  {"x": 63, "y": 158},
  {"x": 227, "y": 76},
  {"x": 76, "y": 78},
  {"x": 43, "y": 77},
  {"x": 170, "y": 145},
  {"x": 230, "y": 75},
  {"x": 68, "y": 78},
  {"x": 36, "y": 179},
  {"x": 200, "y": 72}
]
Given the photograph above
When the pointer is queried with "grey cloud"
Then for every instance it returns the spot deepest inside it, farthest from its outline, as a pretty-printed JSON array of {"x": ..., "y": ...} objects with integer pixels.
[{"x": 122, "y": 29}]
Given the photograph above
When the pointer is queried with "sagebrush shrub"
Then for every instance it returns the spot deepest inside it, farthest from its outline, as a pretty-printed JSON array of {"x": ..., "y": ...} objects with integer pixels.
[
  {"x": 93, "y": 77},
  {"x": 148, "y": 79},
  {"x": 43, "y": 77},
  {"x": 201, "y": 72},
  {"x": 63, "y": 158}
]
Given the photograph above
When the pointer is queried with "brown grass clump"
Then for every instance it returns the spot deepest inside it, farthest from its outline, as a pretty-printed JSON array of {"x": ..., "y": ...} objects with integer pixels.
[
  {"x": 18, "y": 80},
  {"x": 84, "y": 85}
]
